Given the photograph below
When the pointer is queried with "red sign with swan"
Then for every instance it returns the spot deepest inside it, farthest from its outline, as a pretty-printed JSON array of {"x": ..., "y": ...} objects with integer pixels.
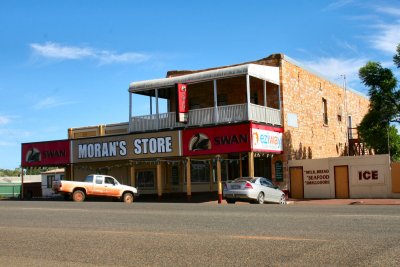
[{"x": 216, "y": 140}]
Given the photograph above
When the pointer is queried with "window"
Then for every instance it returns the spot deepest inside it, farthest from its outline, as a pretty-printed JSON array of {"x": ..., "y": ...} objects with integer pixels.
[
  {"x": 175, "y": 175},
  {"x": 145, "y": 179},
  {"x": 99, "y": 180},
  {"x": 50, "y": 179},
  {"x": 89, "y": 179},
  {"x": 200, "y": 172},
  {"x": 325, "y": 111},
  {"x": 109, "y": 180}
]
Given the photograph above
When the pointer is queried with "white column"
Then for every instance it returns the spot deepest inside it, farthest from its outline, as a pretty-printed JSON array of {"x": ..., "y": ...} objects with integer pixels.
[
  {"x": 158, "y": 117},
  {"x": 216, "y": 115},
  {"x": 130, "y": 112},
  {"x": 248, "y": 95}
]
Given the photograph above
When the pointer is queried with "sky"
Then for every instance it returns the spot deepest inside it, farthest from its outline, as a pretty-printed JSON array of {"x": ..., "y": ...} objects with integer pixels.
[{"x": 69, "y": 63}]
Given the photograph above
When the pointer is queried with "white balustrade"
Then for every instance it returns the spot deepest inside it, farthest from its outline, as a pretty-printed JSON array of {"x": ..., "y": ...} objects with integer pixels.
[{"x": 207, "y": 116}]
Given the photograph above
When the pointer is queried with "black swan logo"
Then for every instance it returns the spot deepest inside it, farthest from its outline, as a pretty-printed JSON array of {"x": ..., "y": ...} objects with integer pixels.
[
  {"x": 199, "y": 141},
  {"x": 33, "y": 155}
]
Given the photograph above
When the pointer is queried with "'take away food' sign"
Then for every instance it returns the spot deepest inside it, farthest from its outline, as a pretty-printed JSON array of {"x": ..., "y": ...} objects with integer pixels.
[{"x": 137, "y": 146}]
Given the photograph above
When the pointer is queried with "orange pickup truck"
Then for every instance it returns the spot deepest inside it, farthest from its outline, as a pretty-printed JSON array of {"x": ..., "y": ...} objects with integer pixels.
[{"x": 95, "y": 185}]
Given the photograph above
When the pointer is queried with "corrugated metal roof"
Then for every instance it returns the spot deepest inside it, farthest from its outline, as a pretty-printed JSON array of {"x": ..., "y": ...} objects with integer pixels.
[{"x": 267, "y": 73}]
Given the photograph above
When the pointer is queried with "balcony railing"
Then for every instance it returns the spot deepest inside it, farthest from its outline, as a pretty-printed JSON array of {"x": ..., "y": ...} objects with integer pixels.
[{"x": 207, "y": 116}]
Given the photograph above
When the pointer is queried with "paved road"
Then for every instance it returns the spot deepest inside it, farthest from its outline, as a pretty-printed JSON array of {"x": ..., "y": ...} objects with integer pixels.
[{"x": 60, "y": 233}]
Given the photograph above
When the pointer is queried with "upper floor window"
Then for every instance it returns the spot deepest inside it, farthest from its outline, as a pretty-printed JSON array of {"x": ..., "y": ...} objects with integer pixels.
[{"x": 325, "y": 111}]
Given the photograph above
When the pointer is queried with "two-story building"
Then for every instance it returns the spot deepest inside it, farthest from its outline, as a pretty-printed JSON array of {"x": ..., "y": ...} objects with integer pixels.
[{"x": 220, "y": 123}]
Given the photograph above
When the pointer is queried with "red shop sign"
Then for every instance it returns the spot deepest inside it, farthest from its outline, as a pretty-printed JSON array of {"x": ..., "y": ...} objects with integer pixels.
[
  {"x": 216, "y": 140},
  {"x": 52, "y": 153}
]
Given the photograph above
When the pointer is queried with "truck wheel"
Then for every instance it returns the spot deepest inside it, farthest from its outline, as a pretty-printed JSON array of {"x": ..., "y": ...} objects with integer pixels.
[
  {"x": 127, "y": 197},
  {"x": 78, "y": 196}
]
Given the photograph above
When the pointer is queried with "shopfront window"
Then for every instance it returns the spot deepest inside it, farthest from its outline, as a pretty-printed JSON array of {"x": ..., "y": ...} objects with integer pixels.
[
  {"x": 200, "y": 172},
  {"x": 175, "y": 175},
  {"x": 145, "y": 179}
]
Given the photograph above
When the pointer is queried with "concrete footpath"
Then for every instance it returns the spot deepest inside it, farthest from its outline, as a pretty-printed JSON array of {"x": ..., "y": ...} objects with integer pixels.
[
  {"x": 290, "y": 201},
  {"x": 386, "y": 201}
]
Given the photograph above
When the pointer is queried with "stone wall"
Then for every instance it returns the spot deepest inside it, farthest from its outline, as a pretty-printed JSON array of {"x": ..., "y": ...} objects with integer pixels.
[{"x": 303, "y": 93}]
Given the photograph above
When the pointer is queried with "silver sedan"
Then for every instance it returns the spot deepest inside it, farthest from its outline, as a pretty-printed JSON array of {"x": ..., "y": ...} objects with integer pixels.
[{"x": 254, "y": 189}]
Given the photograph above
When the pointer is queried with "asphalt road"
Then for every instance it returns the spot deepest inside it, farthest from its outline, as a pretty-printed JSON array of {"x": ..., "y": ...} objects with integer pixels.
[{"x": 58, "y": 233}]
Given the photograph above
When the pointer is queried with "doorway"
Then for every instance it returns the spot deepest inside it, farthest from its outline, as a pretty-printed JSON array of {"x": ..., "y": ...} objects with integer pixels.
[
  {"x": 296, "y": 182},
  {"x": 342, "y": 181}
]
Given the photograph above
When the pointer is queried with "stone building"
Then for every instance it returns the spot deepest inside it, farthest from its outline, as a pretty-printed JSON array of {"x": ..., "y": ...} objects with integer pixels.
[{"x": 246, "y": 119}]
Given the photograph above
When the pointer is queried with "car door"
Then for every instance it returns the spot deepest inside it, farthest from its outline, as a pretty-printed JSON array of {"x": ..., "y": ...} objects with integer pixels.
[
  {"x": 98, "y": 186},
  {"x": 268, "y": 192},
  {"x": 275, "y": 193},
  {"x": 111, "y": 187}
]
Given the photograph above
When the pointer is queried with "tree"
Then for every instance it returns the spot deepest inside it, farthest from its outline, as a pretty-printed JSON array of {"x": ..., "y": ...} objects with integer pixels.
[{"x": 376, "y": 128}]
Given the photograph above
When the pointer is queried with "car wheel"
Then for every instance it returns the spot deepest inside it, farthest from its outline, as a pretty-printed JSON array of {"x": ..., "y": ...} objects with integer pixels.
[
  {"x": 282, "y": 200},
  {"x": 230, "y": 201},
  {"x": 260, "y": 198},
  {"x": 127, "y": 198},
  {"x": 78, "y": 196}
]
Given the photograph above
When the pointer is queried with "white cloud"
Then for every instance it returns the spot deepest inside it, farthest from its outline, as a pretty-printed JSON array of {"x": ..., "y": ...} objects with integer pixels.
[
  {"x": 107, "y": 57},
  {"x": 389, "y": 11},
  {"x": 53, "y": 50},
  {"x": 50, "y": 102},
  {"x": 333, "y": 68},
  {"x": 3, "y": 143},
  {"x": 58, "y": 51},
  {"x": 338, "y": 4},
  {"x": 386, "y": 38},
  {"x": 4, "y": 120}
]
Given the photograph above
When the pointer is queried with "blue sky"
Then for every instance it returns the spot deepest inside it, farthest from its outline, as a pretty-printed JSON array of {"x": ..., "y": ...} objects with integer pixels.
[{"x": 69, "y": 63}]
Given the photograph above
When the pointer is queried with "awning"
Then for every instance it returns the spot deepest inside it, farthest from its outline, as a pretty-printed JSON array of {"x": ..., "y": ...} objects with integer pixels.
[{"x": 267, "y": 73}]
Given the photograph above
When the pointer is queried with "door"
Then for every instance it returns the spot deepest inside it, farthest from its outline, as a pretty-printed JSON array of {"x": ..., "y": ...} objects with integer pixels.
[
  {"x": 98, "y": 186},
  {"x": 269, "y": 194},
  {"x": 342, "y": 181},
  {"x": 111, "y": 187},
  {"x": 296, "y": 182}
]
